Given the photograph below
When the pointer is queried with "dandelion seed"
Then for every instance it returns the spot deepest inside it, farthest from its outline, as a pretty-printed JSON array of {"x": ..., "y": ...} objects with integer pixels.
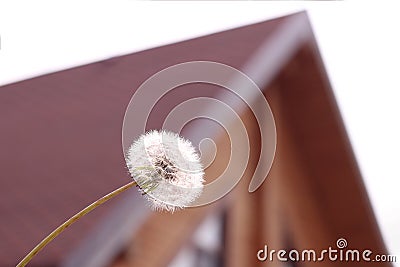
[
  {"x": 167, "y": 170},
  {"x": 165, "y": 167}
]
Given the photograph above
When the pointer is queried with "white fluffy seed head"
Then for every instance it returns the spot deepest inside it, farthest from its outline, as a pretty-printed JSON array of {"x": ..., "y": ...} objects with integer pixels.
[{"x": 167, "y": 169}]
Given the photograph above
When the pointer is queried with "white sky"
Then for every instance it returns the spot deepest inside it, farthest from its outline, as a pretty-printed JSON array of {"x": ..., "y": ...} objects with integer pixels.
[{"x": 357, "y": 40}]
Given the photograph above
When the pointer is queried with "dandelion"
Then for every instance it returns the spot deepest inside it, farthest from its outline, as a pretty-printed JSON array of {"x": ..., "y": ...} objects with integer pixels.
[
  {"x": 164, "y": 166},
  {"x": 167, "y": 170}
]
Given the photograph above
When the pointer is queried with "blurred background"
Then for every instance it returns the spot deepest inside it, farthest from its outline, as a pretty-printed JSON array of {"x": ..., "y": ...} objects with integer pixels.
[{"x": 357, "y": 42}]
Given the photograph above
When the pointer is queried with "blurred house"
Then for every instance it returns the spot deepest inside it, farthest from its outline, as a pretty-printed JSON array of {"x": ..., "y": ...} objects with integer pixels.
[{"x": 61, "y": 149}]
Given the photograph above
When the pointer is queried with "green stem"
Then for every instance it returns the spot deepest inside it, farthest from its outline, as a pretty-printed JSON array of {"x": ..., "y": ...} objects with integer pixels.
[{"x": 71, "y": 220}]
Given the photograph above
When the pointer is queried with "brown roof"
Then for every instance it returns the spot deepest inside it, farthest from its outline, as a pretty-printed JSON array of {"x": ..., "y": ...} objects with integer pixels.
[
  {"x": 60, "y": 138},
  {"x": 314, "y": 194}
]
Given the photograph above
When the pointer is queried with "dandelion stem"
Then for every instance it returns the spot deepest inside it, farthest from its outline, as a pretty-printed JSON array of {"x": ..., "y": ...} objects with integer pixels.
[{"x": 71, "y": 220}]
